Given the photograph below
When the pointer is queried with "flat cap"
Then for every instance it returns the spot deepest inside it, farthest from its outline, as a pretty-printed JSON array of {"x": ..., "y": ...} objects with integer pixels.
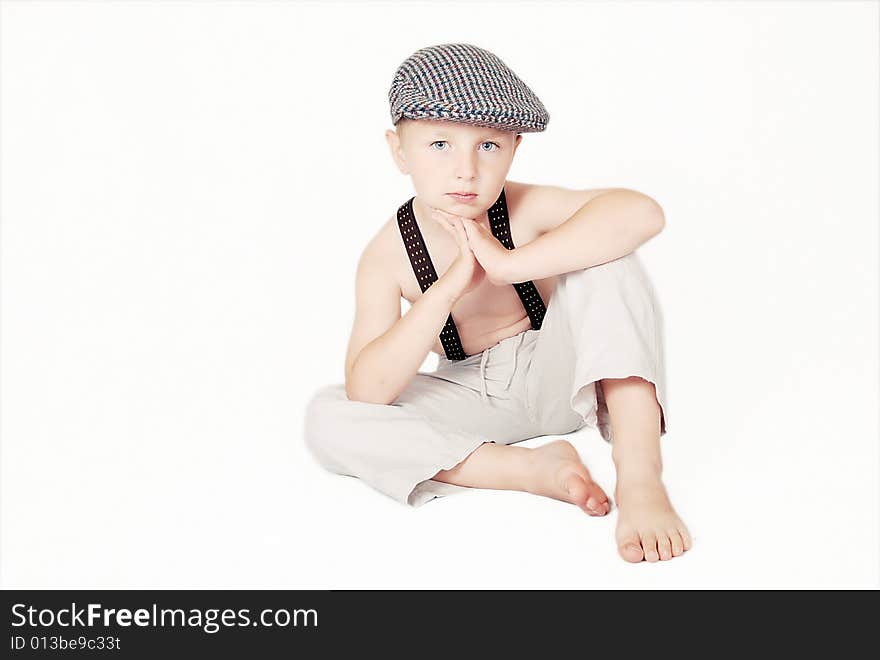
[{"x": 462, "y": 82}]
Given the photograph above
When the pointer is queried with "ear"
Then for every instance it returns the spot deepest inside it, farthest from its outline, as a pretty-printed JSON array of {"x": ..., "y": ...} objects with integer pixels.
[
  {"x": 394, "y": 144},
  {"x": 516, "y": 141}
]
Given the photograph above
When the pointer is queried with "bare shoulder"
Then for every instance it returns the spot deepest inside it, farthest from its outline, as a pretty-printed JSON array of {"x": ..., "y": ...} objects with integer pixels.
[
  {"x": 547, "y": 206},
  {"x": 381, "y": 254}
]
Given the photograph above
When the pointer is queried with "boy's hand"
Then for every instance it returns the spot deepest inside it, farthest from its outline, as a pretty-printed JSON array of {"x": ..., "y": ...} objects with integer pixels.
[
  {"x": 465, "y": 273},
  {"x": 493, "y": 257}
]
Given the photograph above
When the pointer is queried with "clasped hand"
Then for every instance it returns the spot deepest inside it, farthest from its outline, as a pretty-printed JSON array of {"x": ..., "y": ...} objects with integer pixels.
[{"x": 488, "y": 251}]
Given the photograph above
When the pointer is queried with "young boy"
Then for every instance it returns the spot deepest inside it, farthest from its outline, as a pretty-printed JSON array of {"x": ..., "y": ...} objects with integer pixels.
[{"x": 532, "y": 296}]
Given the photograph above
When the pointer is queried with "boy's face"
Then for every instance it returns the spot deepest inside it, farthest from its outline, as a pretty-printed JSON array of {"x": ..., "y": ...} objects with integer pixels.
[{"x": 444, "y": 157}]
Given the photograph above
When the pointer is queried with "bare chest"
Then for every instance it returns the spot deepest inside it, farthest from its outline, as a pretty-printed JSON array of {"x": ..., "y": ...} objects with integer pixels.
[{"x": 487, "y": 314}]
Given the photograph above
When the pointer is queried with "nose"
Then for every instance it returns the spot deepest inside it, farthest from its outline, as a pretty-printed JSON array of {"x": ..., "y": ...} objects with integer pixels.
[{"x": 466, "y": 167}]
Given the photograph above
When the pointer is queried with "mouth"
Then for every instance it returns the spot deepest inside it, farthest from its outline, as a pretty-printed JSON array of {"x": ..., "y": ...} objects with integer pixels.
[{"x": 462, "y": 196}]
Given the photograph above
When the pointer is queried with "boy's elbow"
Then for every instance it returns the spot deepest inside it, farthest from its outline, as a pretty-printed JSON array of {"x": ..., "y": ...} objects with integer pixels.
[
  {"x": 646, "y": 212},
  {"x": 652, "y": 226},
  {"x": 366, "y": 398},
  {"x": 354, "y": 392},
  {"x": 660, "y": 221},
  {"x": 656, "y": 217}
]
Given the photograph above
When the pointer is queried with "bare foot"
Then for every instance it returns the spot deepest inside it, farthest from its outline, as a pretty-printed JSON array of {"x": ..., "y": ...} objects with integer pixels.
[
  {"x": 558, "y": 472},
  {"x": 647, "y": 526}
]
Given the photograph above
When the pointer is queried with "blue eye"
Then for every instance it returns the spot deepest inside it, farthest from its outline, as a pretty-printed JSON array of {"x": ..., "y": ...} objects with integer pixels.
[{"x": 497, "y": 146}]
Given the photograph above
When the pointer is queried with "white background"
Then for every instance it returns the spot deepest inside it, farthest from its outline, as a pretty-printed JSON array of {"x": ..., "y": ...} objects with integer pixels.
[{"x": 187, "y": 186}]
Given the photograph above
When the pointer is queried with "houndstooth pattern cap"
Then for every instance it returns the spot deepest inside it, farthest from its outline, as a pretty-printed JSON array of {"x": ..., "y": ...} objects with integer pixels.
[{"x": 462, "y": 82}]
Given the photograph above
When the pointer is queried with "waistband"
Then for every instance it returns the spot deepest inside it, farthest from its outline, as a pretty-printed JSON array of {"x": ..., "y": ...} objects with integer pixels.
[{"x": 509, "y": 346}]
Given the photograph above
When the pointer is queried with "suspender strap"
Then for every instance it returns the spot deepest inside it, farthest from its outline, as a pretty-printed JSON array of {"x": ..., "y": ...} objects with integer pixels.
[
  {"x": 423, "y": 268},
  {"x": 528, "y": 293}
]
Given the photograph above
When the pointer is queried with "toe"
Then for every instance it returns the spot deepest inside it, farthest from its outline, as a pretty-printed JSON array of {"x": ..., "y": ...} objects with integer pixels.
[
  {"x": 664, "y": 546},
  {"x": 677, "y": 543},
  {"x": 597, "y": 500},
  {"x": 576, "y": 488},
  {"x": 649, "y": 545},
  {"x": 685, "y": 537},
  {"x": 630, "y": 549},
  {"x": 594, "y": 500}
]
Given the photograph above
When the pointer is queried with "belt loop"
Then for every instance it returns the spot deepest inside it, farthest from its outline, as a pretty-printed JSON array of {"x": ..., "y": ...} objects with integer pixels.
[
  {"x": 484, "y": 394},
  {"x": 515, "y": 353}
]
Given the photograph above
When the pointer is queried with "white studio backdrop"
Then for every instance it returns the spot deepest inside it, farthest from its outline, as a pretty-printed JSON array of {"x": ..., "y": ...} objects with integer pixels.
[{"x": 187, "y": 187}]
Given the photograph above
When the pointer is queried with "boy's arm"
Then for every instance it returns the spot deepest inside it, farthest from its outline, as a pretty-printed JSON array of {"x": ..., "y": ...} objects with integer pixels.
[
  {"x": 606, "y": 228},
  {"x": 386, "y": 350}
]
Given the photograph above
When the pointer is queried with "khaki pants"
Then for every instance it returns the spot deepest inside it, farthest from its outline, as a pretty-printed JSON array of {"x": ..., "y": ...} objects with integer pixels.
[{"x": 601, "y": 322}]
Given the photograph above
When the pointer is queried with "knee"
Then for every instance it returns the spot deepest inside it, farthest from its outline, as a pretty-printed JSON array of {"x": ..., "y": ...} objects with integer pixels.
[
  {"x": 620, "y": 269},
  {"x": 623, "y": 279},
  {"x": 325, "y": 403},
  {"x": 323, "y": 414}
]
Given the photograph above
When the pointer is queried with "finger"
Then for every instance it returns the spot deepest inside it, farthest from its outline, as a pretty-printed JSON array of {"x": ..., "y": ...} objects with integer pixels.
[
  {"x": 440, "y": 219},
  {"x": 474, "y": 228},
  {"x": 452, "y": 228},
  {"x": 449, "y": 217},
  {"x": 442, "y": 216},
  {"x": 443, "y": 213},
  {"x": 462, "y": 235}
]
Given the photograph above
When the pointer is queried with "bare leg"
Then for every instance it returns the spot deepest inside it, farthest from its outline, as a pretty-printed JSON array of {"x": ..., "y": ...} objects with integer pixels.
[
  {"x": 647, "y": 527},
  {"x": 552, "y": 470}
]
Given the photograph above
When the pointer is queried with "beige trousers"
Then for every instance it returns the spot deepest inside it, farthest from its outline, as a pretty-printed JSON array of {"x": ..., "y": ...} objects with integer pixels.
[{"x": 601, "y": 322}]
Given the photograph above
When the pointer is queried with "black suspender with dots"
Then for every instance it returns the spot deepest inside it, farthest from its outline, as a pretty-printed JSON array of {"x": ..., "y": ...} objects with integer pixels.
[
  {"x": 423, "y": 268},
  {"x": 528, "y": 293}
]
